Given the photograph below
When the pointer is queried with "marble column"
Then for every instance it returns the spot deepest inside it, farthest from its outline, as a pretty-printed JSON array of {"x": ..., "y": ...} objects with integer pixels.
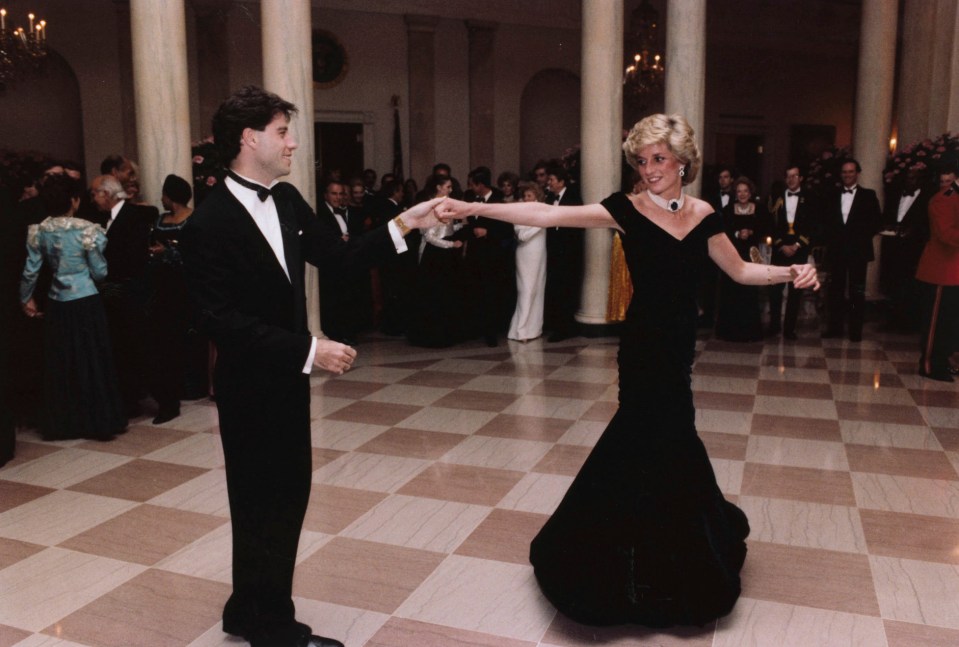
[
  {"x": 944, "y": 110},
  {"x": 873, "y": 118},
  {"x": 160, "y": 86},
  {"x": 288, "y": 72},
  {"x": 686, "y": 67},
  {"x": 601, "y": 135},
  {"x": 421, "y": 68},
  {"x": 482, "y": 80}
]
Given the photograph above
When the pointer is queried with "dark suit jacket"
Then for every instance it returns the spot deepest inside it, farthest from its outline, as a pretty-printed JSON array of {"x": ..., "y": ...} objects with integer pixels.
[
  {"x": 852, "y": 242},
  {"x": 805, "y": 228},
  {"x": 492, "y": 246},
  {"x": 127, "y": 242}
]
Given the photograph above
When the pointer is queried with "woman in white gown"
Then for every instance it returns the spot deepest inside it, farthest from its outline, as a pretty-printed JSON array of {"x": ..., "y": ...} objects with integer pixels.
[{"x": 527, "y": 322}]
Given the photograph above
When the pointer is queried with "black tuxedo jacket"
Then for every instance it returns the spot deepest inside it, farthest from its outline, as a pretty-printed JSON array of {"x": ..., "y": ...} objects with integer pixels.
[
  {"x": 128, "y": 240},
  {"x": 715, "y": 199},
  {"x": 852, "y": 241},
  {"x": 915, "y": 224},
  {"x": 498, "y": 234},
  {"x": 805, "y": 229}
]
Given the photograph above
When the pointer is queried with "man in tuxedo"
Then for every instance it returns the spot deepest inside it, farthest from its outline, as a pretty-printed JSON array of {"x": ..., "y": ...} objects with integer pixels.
[
  {"x": 564, "y": 261},
  {"x": 709, "y": 278},
  {"x": 397, "y": 278},
  {"x": 344, "y": 299},
  {"x": 124, "y": 291},
  {"x": 243, "y": 252},
  {"x": 905, "y": 230},
  {"x": 794, "y": 219},
  {"x": 852, "y": 218},
  {"x": 486, "y": 261},
  {"x": 938, "y": 277}
]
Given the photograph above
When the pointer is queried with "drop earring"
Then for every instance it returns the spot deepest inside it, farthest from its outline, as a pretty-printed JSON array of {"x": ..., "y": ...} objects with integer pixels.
[{"x": 682, "y": 172}]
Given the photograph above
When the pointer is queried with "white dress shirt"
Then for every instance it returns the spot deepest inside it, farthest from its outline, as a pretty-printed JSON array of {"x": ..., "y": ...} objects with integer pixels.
[
  {"x": 847, "y": 199},
  {"x": 905, "y": 202},
  {"x": 113, "y": 213}
]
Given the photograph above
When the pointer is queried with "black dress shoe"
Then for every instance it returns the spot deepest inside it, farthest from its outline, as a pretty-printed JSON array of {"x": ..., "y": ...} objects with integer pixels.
[
  {"x": 941, "y": 376},
  {"x": 303, "y": 641},
  {"x": 166, "y": 415},
  {"x": 320, "y": 641}
]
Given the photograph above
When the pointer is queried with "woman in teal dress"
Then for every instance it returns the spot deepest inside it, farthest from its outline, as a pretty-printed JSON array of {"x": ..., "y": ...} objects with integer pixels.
[
  {"x": 80, "y": 394},
  {"x": 644, "y": 534}
]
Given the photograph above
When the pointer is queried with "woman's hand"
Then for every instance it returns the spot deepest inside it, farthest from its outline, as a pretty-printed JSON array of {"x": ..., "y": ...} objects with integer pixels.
[
  {"x": 804, "y": 276},
  {"x": 422, "y": 215},
  {"x": 30, "y": 309},
  {"x": 454, "y": 210}
]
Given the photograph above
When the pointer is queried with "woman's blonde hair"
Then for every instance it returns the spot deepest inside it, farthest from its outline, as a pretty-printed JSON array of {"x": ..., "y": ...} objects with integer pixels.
[{"x": 673, "y": 131}]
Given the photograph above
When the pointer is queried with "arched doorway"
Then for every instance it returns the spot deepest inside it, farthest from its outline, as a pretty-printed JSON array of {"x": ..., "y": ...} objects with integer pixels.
[
  {"x": 549, "y": 116},
  {"x": 42, "y": 112}
]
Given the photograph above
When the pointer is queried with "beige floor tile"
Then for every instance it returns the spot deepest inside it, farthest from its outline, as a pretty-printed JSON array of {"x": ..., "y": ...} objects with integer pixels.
[
  {"x": 720, "y": 445},
  {"x": 927, "y": 398},
  {"x": 498, "y": 453},
  {"x": 723, "y": 384},
  {"x": 138, "y": 480},
  {"x": 376, "y": 472},
  {"x": 729, "y": 475},
  {"x": 797, "y": 389},
  {"x": 63, "y": 468},
  {"x": 322, "y": 406},
  {"x": 210, "y": 557},
  {"x": 342, "y": 435},
  {"x": 785, "y": 363},
  {"x": 823, "y": 579},
  {"x": 408, "y": 394},
  {"x": 414, "y": 522},
  {"x": 12, "y": 551},
  {"x": 723, "y": 401},
  {"x": 481, "y": 595},
  {"x": 59, "y": 516},
  {"x": 130, "y": 615},
  {"x": 798, "y": 484},
  {"x": 344, "y": 389},
  {"x": 760, "y": 623},
  {"x": 509, "y": 384},
  {"x": 583, "y": 432},
  {"x": 504, "y": 535},
  {"x": 47, "y": 586},
  {"x": 730, "y": 422},
  {"x": 908, "y": 536},
  {"x": 945, "y": 417},
  {"x": 206, "y": 494},
  {"x": 452, "y": 420},
  {"x": 10, "y": 636},
  {"x": 870, "y": 379},
  {"x": 399, "y": 632},
  {"x": 948, "y": 438},
  {"x": 923, "y": 593},
  {"x": 539, "y": 493},
  {"x": 870, "y": 412},
  {"x": 551, "y": 407},
  {"x": 920, "y": 463},
  {"x": 439, "y": 379},
  {"x": 468, "y": 366},
  {"x": 198, "y": 450},
  {"x": 797, "y": 452},
  {"x": 601, "y": 411},
  {"x": 199, "y": 418},
  {"x": 563, "y": 632},
  {"x": 905, "y": 634},
  {"x": 881, "y": 434},
  {"x": 568, "y": 389},
  {"x": 476, "y": 400},
  {"x": 350, "y": 625},
  {"x": 413, "y": 443},
  {"x": 376, "y": 374},
  {"x": 464, "y": 483},
  {"x": 704, "y": 368},
  {"x": 364, "y": 574},
  {"x": 872, "y": 395},
  {"x": 795, "y": 427},
  {"x": 585, "y": 374},
  {"x": 906, "y": 494},
  {"x": 144, "y": 535},
  {"x": 793, "y": 374},
  {"x": 804, "y": 524},
  {"x": 29, "y": 448}
]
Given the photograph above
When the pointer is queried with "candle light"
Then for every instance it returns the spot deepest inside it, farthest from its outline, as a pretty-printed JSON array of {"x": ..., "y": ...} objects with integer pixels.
[
  {"x": 3, "y": 19},
  {"x": 43, "y": 26},
  {"x": 31, "y": 16},
  {"x": 769, "y": 240}
]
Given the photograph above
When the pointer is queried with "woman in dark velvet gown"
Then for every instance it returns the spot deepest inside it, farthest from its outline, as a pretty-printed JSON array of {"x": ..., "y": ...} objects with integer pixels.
[
  {"x": 746, "y": 223},
  {"x": 644, "y": 534}
]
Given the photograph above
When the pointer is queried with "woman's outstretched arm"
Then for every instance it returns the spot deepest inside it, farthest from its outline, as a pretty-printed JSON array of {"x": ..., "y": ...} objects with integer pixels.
[
  {"x": 728, "y": 260},
  {"x": 536, "y": 214}
]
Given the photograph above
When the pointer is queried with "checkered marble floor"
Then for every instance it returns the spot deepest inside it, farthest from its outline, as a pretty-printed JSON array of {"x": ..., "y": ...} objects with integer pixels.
[{"x": 434, "y": 469}]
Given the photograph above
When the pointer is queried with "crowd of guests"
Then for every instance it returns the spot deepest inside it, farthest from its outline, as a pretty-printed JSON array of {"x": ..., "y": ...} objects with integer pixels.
[
  {"x": 479, "y": 279},
  {"x": 836, "y": 225},
  {"x": 102, "y": 317}
]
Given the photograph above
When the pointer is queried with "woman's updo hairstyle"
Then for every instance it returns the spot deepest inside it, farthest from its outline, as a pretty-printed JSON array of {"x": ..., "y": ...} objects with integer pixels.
[{"x": 673, "y": 131}]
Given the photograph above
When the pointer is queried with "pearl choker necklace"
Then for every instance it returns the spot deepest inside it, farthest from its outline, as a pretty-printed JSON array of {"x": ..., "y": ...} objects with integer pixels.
[{"x": 672, "y": 206}]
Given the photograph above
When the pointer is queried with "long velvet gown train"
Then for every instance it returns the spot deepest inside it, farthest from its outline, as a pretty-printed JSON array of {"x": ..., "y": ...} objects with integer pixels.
[{"x": 644, "y": 534}]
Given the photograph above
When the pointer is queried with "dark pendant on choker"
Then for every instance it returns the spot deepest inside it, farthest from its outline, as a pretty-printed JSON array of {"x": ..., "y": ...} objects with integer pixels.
[{"x": 672, "y": 205}]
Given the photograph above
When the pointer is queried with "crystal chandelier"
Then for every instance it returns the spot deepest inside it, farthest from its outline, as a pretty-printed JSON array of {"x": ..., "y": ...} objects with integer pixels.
[
  {"x": 644, "y": 71},
  {"x": 22, "y": 52}
]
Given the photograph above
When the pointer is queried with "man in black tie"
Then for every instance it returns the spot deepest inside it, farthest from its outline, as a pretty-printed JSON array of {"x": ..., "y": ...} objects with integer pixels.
[
  {"x": 564, "y": 261},
  {"x": 344, "y": 299},
  {"x": 905, "y": 230},
  {"x": 243, "y": 252},
  {"x": 852, "y": 218},
  {"x": 794, "y": 220},
  {"x": 486, "y": 262},
  {"x": 709, "y": 277}
]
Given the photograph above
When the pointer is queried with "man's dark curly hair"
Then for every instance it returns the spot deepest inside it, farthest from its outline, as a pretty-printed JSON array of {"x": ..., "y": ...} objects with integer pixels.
[{"x": 248, "y": 107}]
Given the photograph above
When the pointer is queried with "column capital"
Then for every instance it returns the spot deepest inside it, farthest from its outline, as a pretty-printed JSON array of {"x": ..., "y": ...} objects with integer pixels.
[{"x": 416, "y": 22}]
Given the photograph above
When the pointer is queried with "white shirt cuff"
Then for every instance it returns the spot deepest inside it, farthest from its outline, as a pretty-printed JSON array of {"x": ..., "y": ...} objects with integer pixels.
[
  {"x": 398, "y": 241},
  {"x": 308, "y": 367}
]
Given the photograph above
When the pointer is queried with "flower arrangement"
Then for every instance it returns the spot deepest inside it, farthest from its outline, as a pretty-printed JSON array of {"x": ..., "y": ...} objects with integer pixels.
[
  {"x": 207, "y": 170},
  {"x": 823, "y": 172},
  {"x": 924, "y": 157}
]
